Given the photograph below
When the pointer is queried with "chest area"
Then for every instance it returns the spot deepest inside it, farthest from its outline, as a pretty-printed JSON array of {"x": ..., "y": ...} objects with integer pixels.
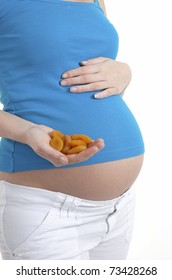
[{"x": 42, "y": 31}]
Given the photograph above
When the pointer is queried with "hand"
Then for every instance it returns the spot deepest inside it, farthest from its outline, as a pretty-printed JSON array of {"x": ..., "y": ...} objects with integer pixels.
[
  {"x": 101, "y": 73},
  {"x": 38, "y": 138}
]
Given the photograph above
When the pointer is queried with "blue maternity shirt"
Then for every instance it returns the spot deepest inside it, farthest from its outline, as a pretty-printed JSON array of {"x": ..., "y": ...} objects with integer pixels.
[{"x": 39, "y": 41}]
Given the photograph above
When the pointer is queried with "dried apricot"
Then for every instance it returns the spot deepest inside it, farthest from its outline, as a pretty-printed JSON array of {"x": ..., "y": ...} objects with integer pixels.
[
  {"x": 76, "y": 150},
  {"x": 82, "y": 137},
  {"x": 78, "y": 143},
  {"x": 57, "y": 143},
  {"x": 57, "y": 133},
  {"x": 67, "y": 143}
]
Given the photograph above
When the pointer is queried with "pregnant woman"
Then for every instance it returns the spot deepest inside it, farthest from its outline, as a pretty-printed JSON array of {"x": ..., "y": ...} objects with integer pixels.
[{"x": 56, "y": 206}]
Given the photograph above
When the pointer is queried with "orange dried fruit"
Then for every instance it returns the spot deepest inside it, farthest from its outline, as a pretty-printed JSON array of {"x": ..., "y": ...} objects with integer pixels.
[
  {"x": 57, "y": 133},
  {"x": 57, "y": 143},
  {"x": 78, "y": 143},
  {"x": 67, "y": 143},
  {"x": 82, "y": 137},
  {"x": 76, "y": 150}
]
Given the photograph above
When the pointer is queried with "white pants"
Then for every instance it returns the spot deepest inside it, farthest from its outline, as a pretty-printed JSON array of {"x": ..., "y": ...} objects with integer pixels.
[{"x": 37, "y": 224}]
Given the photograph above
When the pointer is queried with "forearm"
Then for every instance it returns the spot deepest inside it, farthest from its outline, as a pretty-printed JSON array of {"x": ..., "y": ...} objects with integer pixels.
[
  {"x": 38, "y": 138},
  {"x": 13, "y": 127}
]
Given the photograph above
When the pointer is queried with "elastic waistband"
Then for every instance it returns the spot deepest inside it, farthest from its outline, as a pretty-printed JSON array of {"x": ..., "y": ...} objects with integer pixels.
[{"x": 47, "y": 196}]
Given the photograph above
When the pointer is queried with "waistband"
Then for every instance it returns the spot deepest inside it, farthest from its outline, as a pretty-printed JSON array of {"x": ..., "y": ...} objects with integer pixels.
[{"x": 46, "y": 196}]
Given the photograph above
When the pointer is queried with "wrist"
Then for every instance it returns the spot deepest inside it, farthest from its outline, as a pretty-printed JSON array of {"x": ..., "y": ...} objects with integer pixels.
[{"x": 23, "y": 134}]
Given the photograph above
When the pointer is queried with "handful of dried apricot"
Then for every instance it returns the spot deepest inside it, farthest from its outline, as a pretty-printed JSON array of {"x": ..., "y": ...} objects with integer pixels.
[{"x": 69, "y": 144}]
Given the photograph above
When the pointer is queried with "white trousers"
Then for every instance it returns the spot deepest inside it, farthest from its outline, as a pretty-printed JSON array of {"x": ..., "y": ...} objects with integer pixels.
[{"x": 37, "y": 224}]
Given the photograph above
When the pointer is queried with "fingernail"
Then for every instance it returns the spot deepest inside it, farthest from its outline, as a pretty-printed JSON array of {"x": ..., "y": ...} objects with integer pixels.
[
  {"x": 84, "y": 62},
  {"x": 97, "y": 95},
  {"x": 73, "y": 89},
  {"x": 102, "y": 147},
  {"x": 62, "y": 160},
  {"x": 64, "y": 75},
  {"x": 63, "y": 83}
]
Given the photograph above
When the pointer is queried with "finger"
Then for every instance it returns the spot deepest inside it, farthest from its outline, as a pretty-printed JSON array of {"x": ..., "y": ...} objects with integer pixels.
[
  {"x": 82, "y": 79},
  {"x": 81, "y": 71},
  {"x": 106, "y": 93},
  {"x": 99, "y": 143},
  {"x": 92, "y": 150},
  {"x": 82, "y": 156},
  {"x": 50, "y": 154},
  {"x": 95, "y": 60},
  {"x": 101, "y": 85}
]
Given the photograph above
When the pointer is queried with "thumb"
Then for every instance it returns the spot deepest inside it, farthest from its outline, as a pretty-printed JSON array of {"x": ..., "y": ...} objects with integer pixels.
[{"x": 52, "y": 155}]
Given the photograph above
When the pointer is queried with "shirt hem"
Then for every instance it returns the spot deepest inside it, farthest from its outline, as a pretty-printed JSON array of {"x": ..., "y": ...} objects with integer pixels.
[{"x": 11, "y": 166}]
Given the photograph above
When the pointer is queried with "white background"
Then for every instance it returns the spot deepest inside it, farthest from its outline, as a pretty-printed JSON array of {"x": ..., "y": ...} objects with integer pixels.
[
  {"x": 144, "y": 29},
  {"x": 145, "y": 44}
]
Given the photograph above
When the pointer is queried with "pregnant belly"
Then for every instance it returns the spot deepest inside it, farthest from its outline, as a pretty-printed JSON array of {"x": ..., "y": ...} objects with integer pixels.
[
  {"x": 109, "y": 119},
  {"x": 95, "y": 182}
]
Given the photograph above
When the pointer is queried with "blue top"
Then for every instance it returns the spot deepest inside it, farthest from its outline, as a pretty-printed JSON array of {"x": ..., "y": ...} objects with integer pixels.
[{"x": 39, "y": 41}]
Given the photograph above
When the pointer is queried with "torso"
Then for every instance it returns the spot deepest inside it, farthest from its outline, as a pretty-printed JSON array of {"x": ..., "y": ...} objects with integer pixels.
[{"x": 96, "y": 182}]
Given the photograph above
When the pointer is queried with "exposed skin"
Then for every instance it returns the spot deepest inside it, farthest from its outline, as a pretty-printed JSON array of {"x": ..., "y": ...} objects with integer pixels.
[{"x": 99, "y": 181}]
